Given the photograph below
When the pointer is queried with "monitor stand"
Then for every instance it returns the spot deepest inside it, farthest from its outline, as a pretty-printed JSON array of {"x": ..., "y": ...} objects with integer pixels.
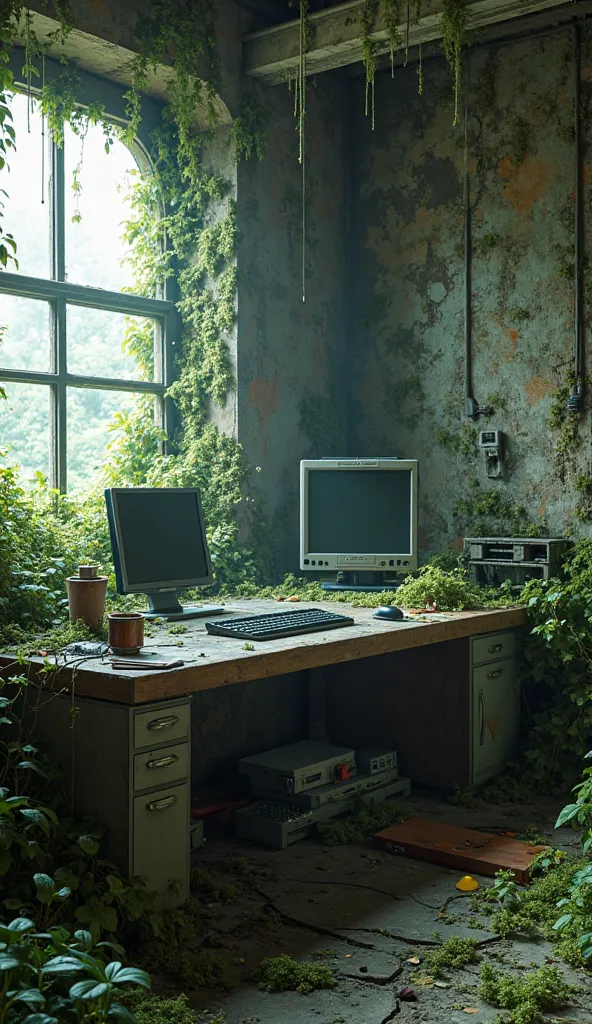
[
  {"x": 360, "y": 583},
  {"x": 163, "y": 604}
]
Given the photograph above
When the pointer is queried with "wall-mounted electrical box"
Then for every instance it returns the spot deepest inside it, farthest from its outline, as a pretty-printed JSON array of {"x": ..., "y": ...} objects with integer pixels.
[{"x": 491, "y": 442}]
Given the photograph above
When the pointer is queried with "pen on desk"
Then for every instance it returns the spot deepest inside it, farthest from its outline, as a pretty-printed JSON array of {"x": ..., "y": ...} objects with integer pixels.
[{"x": 128, "y": 664}]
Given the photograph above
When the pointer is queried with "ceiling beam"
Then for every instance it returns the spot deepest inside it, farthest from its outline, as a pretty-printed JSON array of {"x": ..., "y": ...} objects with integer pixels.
[{"x": 272, "y": 55}]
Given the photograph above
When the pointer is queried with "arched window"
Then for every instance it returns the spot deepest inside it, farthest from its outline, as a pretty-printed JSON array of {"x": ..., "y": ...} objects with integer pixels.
[{"x": 69, "y": 315}]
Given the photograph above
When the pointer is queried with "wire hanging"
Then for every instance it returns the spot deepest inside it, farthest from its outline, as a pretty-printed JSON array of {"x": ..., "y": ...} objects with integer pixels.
[
  {"x": 28, "y": 67},
  {"x": 42, "y": 133},
  {"x": 301, "y": 107}
]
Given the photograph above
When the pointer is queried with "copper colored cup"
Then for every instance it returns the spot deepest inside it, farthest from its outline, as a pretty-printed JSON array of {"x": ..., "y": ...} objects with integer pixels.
[{"x": 126, "y": 632}]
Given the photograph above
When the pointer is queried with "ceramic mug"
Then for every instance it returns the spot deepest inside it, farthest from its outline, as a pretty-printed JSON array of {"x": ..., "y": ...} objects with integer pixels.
[{"x": 126, "y": 632}]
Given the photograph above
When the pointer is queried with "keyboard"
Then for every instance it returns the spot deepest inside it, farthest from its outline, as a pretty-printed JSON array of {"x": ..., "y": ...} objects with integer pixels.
[{"x": 278, "y": 624}]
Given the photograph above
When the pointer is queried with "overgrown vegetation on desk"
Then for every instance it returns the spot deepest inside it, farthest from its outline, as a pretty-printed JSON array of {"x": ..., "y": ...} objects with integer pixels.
[{"x": 445, "y": 588}]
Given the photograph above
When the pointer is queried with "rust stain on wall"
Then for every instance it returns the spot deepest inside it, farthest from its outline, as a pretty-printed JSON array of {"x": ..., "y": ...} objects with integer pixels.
[
  {"x": 538, "y": 388},
  {"x": 264, "y": 395},
  {"x": 512, "y": 335},
  {"x": 525, "y": 184}
]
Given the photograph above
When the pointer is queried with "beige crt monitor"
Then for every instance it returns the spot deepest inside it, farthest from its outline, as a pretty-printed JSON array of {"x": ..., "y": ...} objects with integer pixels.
[{"x": 358, "y": 515}]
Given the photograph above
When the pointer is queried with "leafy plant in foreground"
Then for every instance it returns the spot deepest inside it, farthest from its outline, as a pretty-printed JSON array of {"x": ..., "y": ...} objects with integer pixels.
[
  {"x": 51, "y": 976},
  {"x": 576, "y": 919}
]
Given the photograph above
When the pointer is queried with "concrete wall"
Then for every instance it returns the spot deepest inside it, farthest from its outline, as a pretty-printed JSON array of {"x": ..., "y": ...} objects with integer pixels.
[
  {"x": 292, "y": 359},
  {"x": 407, "y": 281}
]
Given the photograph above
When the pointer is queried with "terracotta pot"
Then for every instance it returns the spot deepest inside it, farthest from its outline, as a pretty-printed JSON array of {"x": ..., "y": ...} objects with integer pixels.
[
  {"x": 86, "y": 596},
  {"x": 126, "y": 632}
]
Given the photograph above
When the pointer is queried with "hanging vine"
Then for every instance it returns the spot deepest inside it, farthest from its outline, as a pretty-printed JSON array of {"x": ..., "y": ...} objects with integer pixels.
[
  {"x": 367, "y": 22},
  {"x": 455, "y": 17},
  {"x": 392, "y": 16}
]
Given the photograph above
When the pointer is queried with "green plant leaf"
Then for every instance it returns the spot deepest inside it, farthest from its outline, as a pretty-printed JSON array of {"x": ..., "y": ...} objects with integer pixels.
[
  {"x": 118, "y": 1012},
  {"x": 88, "y": 989},
  {"x": 88, "y": 845},
  {"x": 36, "y": 817},
  {"x": 563, "y": 921},
  {"x": 45, "y": 887},
  {"x": 62, "y": 965},
  {"x": 118, "y": 974},
  {"x": 21, "y": 924},
  {"x": 8, "y": 963},
  {"x": 40, "y": 1018},
  {"x": 84, "y": 938},
  {"x": 30, "y": 996},
  {"x": 567, "y": 814}
]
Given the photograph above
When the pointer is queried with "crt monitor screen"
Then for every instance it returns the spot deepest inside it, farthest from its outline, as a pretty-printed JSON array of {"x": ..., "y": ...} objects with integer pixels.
[
  {"x": 160, "y": 536},
  {"x": 362, "y": 512}
]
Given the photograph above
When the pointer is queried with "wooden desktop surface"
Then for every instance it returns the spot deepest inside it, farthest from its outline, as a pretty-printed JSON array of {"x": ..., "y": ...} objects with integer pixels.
[{"x": 213, "y": 661}]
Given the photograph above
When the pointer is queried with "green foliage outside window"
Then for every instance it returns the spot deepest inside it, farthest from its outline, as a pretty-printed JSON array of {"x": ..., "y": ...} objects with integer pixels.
[{"x": 180, "y": 201}]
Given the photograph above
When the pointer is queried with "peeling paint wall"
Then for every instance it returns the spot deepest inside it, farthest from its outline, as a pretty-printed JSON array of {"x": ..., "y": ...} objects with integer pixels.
[
  {"x": 291, "y": 355},
  {"x": 407, "y": 281}
]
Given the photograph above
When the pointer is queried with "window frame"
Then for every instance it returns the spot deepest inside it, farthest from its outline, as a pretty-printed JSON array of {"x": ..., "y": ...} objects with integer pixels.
[{"x": 60, "y": 293}]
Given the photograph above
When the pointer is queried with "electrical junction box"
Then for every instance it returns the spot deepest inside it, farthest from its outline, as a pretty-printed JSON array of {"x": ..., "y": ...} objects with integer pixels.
[
  {"x": 491, "y": 443},
  {"x": 298, "y": 767},
  {"x": 372, "y": 761}
]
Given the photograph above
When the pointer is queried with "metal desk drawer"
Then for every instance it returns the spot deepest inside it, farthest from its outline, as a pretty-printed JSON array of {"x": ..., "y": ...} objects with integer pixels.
[
  {"x": 495, "y": 699},
  {"x": 161, "y": 838},
  {"x": 161, "y": 725},
  {"x": 493, "y": 646},
  {"x": 161, "y": 767}
]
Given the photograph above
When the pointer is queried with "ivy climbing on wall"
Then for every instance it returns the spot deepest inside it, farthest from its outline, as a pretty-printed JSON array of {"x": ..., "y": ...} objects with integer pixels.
[{"x": 190, "y": 205}]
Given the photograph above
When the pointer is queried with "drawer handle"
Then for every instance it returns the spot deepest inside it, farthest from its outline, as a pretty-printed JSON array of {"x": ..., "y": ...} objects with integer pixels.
[
  {"x": 161, "y": 805},
  {"x": 162, "y": 762},
  {"x": 163, "y": 723},
  {"x": 497, "y": 672},
  {"x": 495, "y": 648},
  {"x": 482, "y": 715}
]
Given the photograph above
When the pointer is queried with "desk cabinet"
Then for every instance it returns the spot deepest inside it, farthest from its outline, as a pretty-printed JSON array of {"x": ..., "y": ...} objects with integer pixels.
[
  {"x": 130, "y": 767},
  {"x": 451, "y": 709},
  {"x": 495, "y": 703}
]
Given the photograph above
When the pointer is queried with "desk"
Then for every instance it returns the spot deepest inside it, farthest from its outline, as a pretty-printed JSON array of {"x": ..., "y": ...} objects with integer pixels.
[{"x": 417, "y": 686}]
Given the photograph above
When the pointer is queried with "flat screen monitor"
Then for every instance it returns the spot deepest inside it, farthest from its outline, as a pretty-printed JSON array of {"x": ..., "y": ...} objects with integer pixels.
[
  {"x": 159, "y": 545},
  {"x": 358, "y": 515}
]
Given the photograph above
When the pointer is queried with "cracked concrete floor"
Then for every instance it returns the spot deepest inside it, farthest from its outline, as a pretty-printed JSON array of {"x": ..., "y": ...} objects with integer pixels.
[{"x": 364, "y": 913}]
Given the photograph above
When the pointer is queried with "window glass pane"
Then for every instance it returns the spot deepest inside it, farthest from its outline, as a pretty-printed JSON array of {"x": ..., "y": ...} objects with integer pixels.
[
  {"x": 104, "y": 344},
  {"x": 24, "y": 428},
  {"x": 94, "y": 215},
  {"x": 27, "y": 207},
  {"x": 90, "y": 429},
  {"x": 24, "y": 333}
]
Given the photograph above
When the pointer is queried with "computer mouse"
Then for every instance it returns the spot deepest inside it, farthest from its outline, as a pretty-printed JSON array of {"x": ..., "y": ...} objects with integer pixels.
[{"x": 389, "y": 612}]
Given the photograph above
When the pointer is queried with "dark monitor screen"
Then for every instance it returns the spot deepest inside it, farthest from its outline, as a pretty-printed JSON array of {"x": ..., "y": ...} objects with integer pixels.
[
  {"x": 160, "y": 535},
  {"x": 361, "y": 512}
]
